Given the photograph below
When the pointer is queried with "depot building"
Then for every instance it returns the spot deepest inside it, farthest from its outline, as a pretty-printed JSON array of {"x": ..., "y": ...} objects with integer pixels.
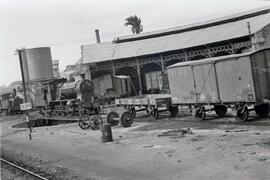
[{"x": 144, "y": 57}]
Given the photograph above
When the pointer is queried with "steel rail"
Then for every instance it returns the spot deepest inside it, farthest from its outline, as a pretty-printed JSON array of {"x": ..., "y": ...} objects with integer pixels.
[{"x": 22, "y": 169}]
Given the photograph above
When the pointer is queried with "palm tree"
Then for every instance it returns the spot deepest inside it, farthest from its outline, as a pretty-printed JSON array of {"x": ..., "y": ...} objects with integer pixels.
[{"x": 135, "y": 23}]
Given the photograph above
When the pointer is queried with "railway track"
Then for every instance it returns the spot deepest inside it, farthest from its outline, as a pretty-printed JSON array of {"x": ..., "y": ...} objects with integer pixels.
[{"x": 19, "y": 171}]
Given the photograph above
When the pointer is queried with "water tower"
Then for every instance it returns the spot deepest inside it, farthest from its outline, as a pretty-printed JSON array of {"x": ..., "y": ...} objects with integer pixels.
[
  {"x": 37, "y": 64},
  {"x": 38, "y": 71}
]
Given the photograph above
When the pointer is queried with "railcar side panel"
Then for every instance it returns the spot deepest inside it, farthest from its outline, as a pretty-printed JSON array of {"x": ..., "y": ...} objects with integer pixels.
[
  {"x": 206, "y": 87},
  {"x": 182, "y": 85},
  {"x": 260, "y": 63},
  {"x": 235, "y": 80}
]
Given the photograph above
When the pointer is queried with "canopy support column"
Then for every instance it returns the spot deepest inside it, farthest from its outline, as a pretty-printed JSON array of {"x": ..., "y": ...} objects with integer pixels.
[{"x": 139, "y": 75}]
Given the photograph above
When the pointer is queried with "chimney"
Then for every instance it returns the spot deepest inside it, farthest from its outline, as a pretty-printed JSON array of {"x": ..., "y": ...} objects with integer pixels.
[{"x": 97, "y": 36}]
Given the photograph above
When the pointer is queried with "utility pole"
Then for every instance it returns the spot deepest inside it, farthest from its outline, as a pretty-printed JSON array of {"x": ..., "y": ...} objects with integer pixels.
[{"x": 19, "y": 51}]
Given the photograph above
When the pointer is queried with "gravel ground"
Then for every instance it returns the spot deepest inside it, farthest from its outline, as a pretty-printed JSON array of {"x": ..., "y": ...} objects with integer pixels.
[
  {"x": 10, "y": 173},
  {"x": 215, "y": 149},
  {"x": 33, "y": 164}
]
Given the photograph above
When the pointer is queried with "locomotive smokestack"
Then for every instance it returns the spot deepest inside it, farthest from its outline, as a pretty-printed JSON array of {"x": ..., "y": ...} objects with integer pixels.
[{"x": 97, "y": 36}]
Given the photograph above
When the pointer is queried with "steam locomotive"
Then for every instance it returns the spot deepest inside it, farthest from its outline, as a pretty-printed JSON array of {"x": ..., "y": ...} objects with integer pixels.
[
  {"x": 9, "y": 102},
  {"x": 71, "y": 98}
]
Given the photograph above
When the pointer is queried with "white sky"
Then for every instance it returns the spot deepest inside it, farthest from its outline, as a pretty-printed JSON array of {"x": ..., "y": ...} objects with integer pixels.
[{"x": 64, "y": 25}]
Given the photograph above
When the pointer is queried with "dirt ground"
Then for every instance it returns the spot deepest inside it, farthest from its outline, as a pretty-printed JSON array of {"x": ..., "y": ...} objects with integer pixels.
[{"x": 217, "y": 148}]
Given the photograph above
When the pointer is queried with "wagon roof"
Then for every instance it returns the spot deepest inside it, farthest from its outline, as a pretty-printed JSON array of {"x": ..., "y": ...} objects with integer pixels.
[{"x": 213, "y": 59}]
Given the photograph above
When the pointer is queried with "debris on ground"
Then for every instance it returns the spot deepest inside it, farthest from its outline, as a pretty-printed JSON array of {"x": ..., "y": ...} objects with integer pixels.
[
  {"x": 149, "y": 146},
  {"x": 237, "y": 130},
  {"x": 263, "y": 158},
  {"x": 199, "y": 148},
  {"x": 249, "y": 144},
  {"x": 198, "y": 138},
  {"x": 264, "y": 142},
  {"x": 175, "y": 133}
]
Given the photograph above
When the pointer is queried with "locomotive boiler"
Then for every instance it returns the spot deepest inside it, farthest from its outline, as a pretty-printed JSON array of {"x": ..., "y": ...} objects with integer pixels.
[{"x": 72, "y": 98}]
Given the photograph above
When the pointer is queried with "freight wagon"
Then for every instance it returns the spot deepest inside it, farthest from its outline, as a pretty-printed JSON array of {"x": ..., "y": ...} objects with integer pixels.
[{"x": 240, "y": 81}]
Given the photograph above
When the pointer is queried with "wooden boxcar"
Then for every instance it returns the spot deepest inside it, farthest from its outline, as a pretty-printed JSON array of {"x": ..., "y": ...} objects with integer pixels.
[{"x": 241, "y": 81}]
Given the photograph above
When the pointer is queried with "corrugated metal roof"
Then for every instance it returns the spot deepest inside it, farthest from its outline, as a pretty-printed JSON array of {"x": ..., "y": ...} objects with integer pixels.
[
  {"x": 230, "y": 30},
  {"x": 199, "y": 25}
]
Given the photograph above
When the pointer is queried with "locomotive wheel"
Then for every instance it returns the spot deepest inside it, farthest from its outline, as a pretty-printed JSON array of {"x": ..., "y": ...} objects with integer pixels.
[
  {"x": 111, "y": 118},
  {"x": 84, "y": 122},
  {"x": 155, "y": 114},
  {"x": 242, "y": 114},
  {"x": 126, "y": 119},
  {"x": 262, "y": 110},
  {"x": 200, "y": 113},
  {"x": 95, "y": 122},
  {"x": 132, "y": 111},
  {"x": 220, "y": 110}
]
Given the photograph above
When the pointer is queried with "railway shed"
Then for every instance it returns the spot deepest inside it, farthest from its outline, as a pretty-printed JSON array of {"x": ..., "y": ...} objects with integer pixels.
[{"x": 144, "y": 57}]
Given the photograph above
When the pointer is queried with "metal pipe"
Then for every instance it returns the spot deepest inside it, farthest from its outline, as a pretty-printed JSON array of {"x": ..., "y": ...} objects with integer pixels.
[{"x": 97, "y": 36}]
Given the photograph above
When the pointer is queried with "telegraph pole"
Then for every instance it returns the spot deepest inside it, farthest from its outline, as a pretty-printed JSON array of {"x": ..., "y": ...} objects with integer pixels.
[{"x": 24, "y": 91}]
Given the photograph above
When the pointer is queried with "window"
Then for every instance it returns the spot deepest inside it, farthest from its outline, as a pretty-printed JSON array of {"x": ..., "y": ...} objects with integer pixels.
[{"x": 153, "y": 80}]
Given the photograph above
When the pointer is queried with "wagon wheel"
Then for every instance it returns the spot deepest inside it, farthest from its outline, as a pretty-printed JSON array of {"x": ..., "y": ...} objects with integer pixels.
[
  {"x": 110, "y": 118},
  {"x": 242, "y": 114},
  {"x": 132, "y": 111},
  {"x": 95, "y": 122},
  {"x": 84, "y": 122},
  {"x": 155, "y": 113},
  {"x": 126, "y": 119},
  {"x": 200, "y": 113},
  {"x": 262, "y": 110},
  {"x": 221, "y": 110}
]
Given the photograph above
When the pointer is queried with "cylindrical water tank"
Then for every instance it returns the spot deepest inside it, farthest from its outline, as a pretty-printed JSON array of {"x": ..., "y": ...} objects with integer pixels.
[{"x": 37, "y": 64}]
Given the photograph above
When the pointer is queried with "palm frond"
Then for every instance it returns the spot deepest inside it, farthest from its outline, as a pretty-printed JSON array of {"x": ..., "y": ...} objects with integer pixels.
[{"x": 135, "y": 23}]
